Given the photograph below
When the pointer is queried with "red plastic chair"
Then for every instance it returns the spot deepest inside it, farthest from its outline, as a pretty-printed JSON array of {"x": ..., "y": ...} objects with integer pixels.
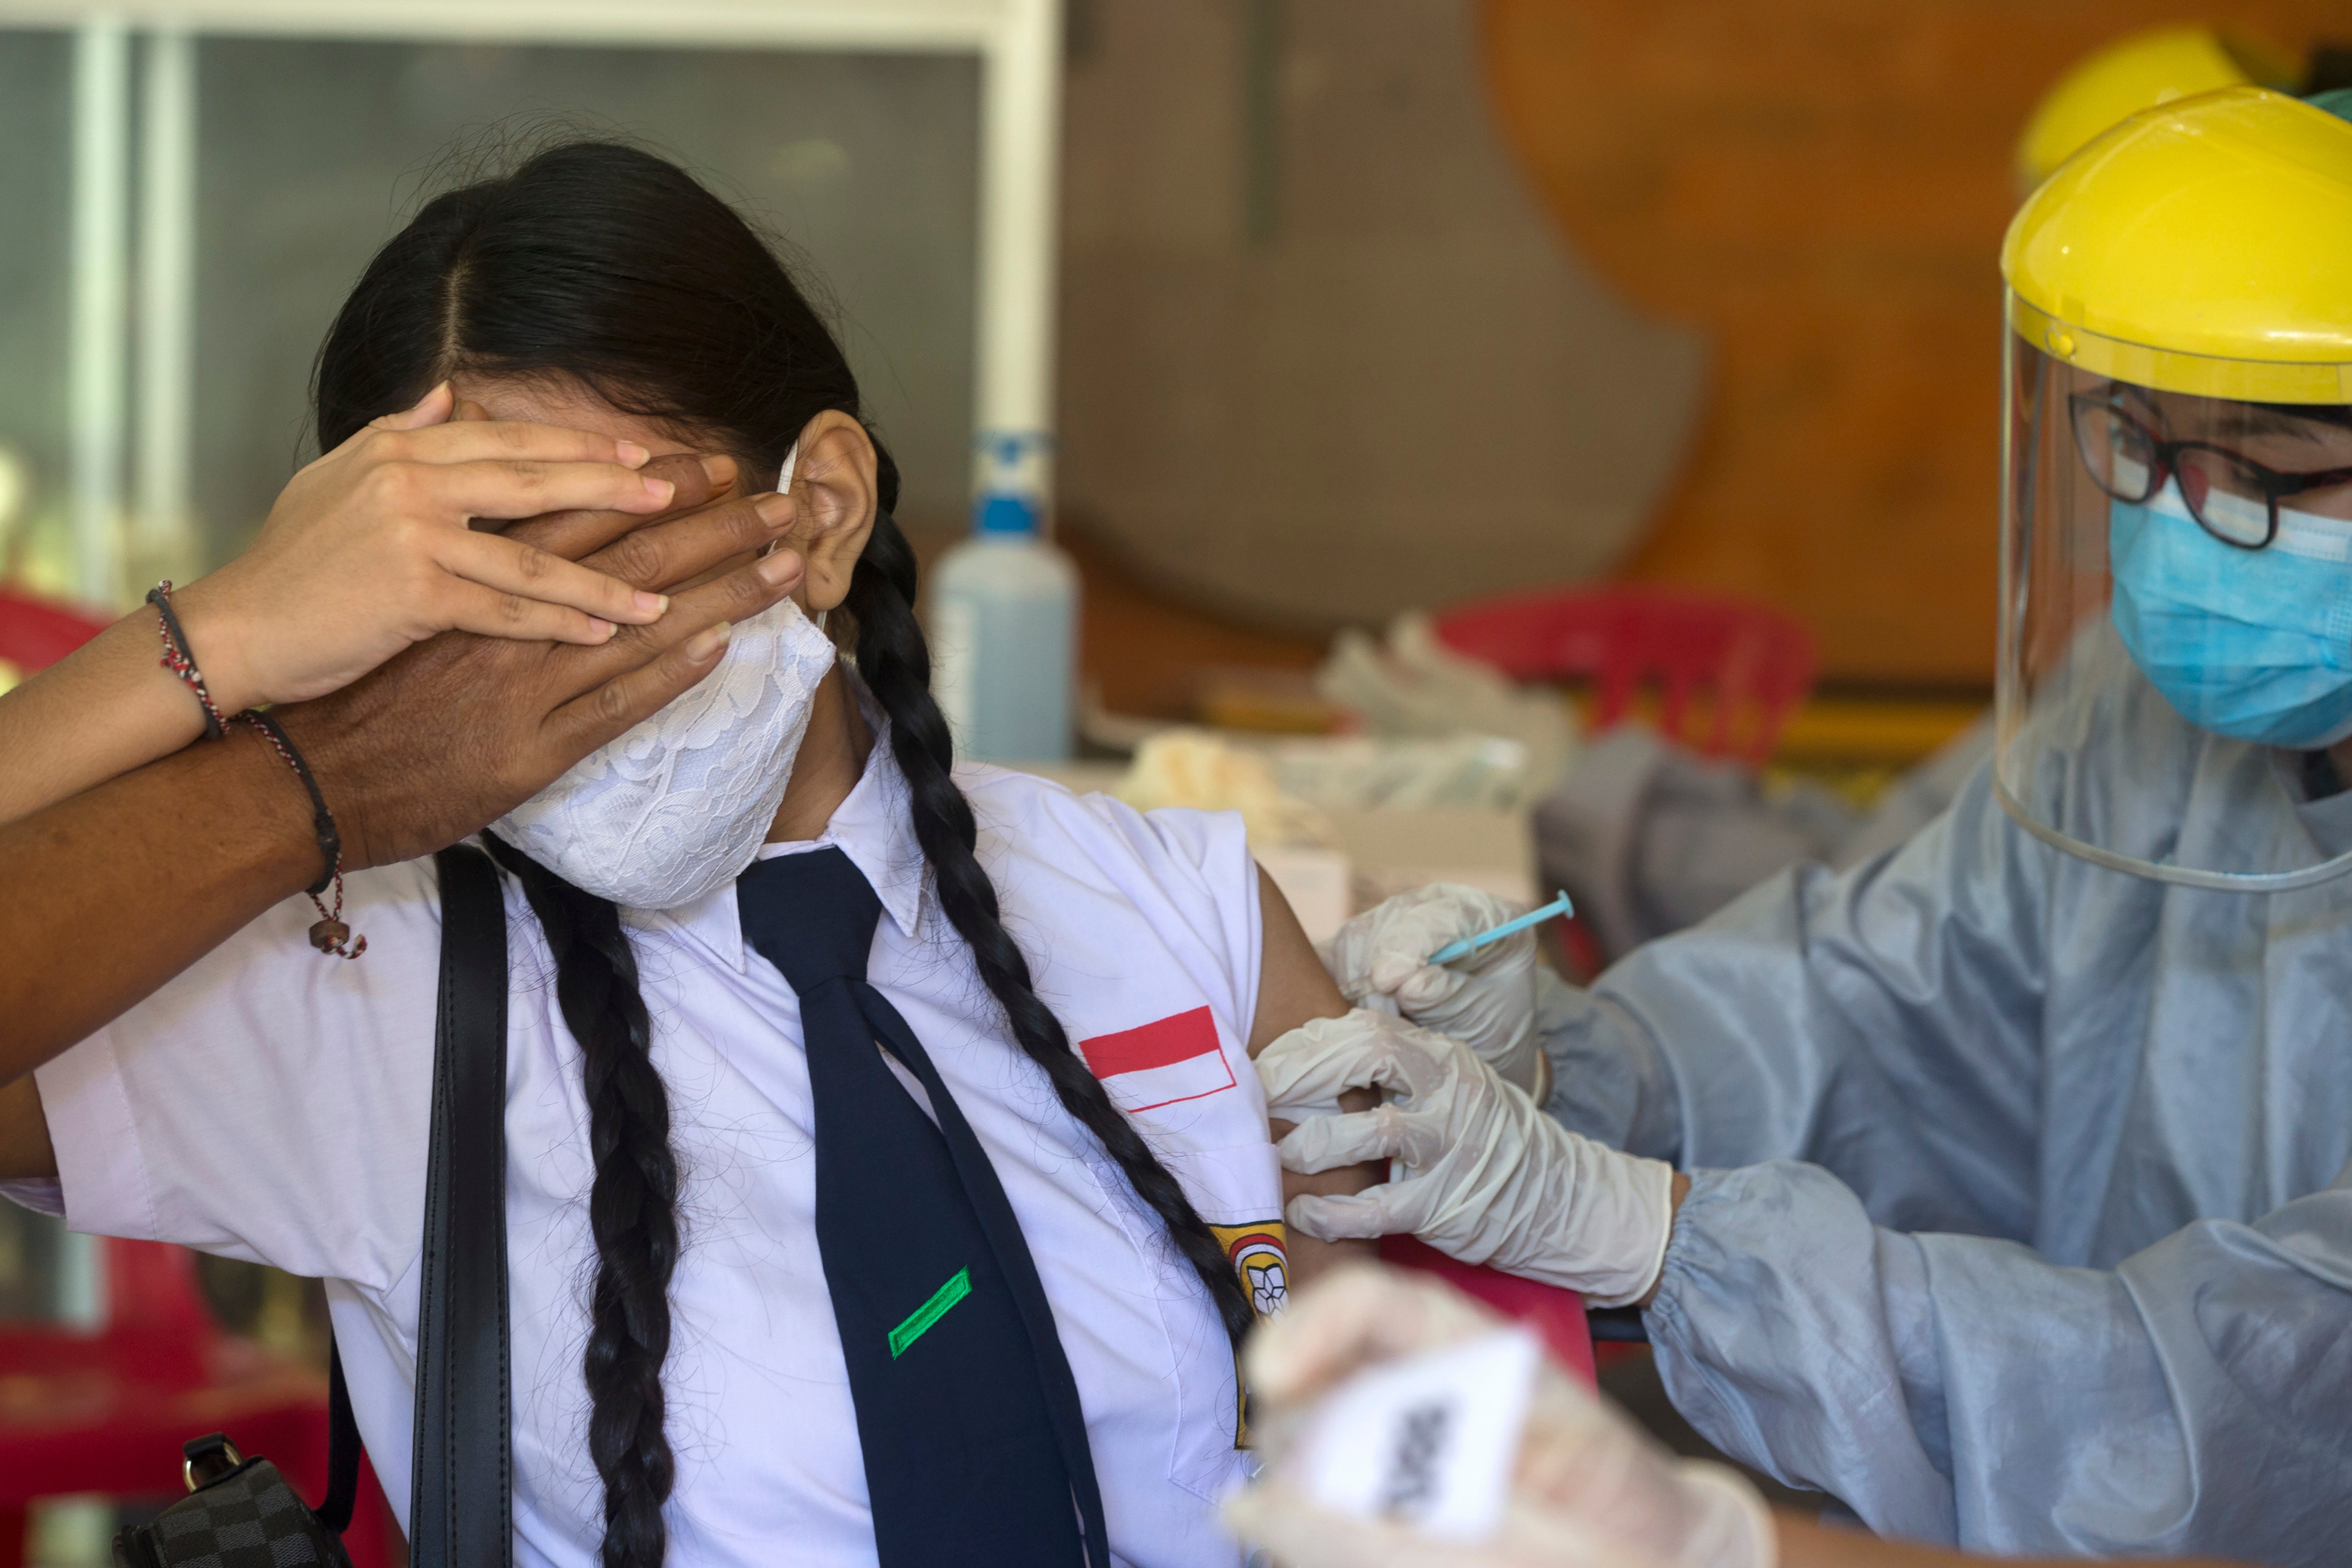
[
  {"x": 36, "y": 633},
  {"x": 107, "y": 1412},
  {"x": 1748, "y": 667}
]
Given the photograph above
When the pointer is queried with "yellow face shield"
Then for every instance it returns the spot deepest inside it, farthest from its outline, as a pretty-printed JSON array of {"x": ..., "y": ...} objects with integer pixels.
[{"x": 2177, "y": 495}]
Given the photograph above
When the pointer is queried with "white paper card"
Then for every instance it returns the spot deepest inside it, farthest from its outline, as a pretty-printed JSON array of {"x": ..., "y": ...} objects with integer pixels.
[{"x": 1428, "y": 1442}]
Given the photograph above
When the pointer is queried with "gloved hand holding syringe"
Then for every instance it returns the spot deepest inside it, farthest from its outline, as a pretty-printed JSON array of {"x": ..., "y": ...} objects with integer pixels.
[
  {"x": 1454, "y": 953},
  {"x": 1476, "y": 1169},
  {"x": 1457, "y": 960}
]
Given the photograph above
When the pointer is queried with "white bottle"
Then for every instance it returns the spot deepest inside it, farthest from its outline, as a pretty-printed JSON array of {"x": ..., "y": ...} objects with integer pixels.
[{"x": 1003, "y": 634}]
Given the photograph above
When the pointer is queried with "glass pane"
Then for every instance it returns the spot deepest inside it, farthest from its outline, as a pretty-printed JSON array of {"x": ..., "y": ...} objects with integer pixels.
[
  {"x": 311, "y": 154},
  {"x": 36, "y": 87},
  {"x": 29, "y": 1248},
  {"x": 36, "y": 101}
]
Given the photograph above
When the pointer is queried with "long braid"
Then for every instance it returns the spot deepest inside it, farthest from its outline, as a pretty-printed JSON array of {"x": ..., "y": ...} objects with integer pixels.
[
  {"x": 896, "y": 665},
  {"x": 632, "y": 1206}
]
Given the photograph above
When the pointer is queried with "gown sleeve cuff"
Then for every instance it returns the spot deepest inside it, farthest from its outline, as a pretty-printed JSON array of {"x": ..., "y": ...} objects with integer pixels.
[{"x": 1788, "y": 1332}]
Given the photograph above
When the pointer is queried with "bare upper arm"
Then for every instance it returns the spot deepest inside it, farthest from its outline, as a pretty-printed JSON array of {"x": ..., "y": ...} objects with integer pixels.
[
  {"x": 25, "y": 1147},
  {"x": 1294, "y": 988}
]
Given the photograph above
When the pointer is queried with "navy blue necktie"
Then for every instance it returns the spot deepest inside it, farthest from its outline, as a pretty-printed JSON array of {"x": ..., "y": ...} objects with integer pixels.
[{"x": 975, "y": 1443}]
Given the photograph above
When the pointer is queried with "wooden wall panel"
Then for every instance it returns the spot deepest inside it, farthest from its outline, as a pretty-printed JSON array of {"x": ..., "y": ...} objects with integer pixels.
[
  {"x": 1821, "y": 186},
  {"x": 1325, "y": 354}
]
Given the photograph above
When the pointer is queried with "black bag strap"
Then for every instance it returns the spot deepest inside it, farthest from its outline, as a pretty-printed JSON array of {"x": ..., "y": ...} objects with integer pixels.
[
  {"x": 342, "y": 1448},
  {"x": 461, "y": 1513}
]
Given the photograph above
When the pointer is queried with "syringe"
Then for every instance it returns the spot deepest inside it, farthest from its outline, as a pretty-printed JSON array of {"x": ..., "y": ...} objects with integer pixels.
[{"x": 1561, "y": 905}]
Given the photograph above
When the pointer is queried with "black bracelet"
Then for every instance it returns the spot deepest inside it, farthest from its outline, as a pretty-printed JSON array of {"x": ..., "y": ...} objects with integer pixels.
[
  {"x": 181, "y": 660},
  {"x": 328, "y": 933},
  {"x": 322, "y": 821}
]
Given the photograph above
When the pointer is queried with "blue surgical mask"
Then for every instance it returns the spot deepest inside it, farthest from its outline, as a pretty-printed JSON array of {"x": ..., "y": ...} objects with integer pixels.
[{"x": 2252, "y": 644}]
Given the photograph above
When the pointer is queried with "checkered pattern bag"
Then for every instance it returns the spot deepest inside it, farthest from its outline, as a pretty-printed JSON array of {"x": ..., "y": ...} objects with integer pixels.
[
  {"x": 239, "y": 1512},
  {"x": 244, "y": 1517}
]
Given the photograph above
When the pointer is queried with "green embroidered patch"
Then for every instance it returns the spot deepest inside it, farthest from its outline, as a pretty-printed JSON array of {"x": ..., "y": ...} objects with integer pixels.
[{"x": 920, "y": 1320}]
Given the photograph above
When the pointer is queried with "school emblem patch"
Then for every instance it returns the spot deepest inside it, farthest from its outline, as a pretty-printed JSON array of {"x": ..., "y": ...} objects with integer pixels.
[{"x": 1261, "y": 1258}]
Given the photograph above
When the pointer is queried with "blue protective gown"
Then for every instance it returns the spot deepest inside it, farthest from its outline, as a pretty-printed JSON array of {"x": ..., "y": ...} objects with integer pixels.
[{"x": 2021, "y": 1213}]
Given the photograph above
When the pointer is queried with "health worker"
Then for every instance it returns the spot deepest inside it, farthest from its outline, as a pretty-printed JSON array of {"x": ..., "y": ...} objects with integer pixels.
[{"x": 2002, "y": 1185}]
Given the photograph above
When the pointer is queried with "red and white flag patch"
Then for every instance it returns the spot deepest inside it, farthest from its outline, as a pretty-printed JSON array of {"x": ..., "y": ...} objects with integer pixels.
[{"x": 1161, "y": 1063}]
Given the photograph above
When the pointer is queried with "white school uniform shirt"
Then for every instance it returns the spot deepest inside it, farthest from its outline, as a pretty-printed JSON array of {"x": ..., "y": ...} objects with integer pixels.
[{"x": 272, "y": 1104}]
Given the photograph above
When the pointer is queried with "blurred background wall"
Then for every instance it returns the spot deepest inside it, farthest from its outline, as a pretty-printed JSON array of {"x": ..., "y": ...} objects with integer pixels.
[
  {"x": 1319, "y": 361},
  {"x": 1821, "y": 186},
  {"x": 1325, "y": 356}
]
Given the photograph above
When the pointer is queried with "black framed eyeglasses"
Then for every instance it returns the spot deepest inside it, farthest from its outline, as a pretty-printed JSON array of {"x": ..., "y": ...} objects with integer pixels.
[{"x": 2232, "y": 498}]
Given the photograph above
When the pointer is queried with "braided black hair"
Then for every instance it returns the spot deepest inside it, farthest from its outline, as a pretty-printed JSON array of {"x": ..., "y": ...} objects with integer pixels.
[
  {"x": 895, "y": 664},
  {"x": 632, "y": 1202},
  {"x": 605, "y": 263}
]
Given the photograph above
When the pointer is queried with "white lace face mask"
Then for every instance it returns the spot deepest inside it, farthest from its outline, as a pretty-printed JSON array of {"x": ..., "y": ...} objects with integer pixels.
[{"x": 679, "y": 805}]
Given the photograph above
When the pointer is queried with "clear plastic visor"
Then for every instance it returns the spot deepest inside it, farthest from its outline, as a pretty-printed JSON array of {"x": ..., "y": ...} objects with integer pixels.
[{"x": 2175, "y": 675}]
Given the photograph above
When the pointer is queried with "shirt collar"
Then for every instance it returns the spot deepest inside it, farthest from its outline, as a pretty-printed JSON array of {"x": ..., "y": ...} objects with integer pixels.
[{"x": 874, "y": 826}]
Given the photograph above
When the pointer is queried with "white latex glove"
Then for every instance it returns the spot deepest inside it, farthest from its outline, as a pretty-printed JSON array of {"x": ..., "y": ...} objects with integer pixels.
[
  {"x": 1478, "y": 1172},
  {"x": 1588, "y": 1488},
  {"x": 1486, "y": 1000}
]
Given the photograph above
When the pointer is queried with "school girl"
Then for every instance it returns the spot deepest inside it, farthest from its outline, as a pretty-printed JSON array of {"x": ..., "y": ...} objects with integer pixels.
[{"x": 716, "y": 1182}]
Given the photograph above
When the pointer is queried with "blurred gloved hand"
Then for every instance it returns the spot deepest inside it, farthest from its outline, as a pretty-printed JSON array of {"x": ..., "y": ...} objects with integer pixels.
[
  {"x": 1486, "y": 1000},
  {"x": 1589, "y": 1489},
  {"x": 1478, "y": 1172}
]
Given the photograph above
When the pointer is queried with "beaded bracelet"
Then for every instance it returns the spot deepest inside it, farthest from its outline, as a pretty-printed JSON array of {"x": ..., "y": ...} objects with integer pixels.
[
  {"x": 180, "y": 659},
  {"x": 328, "y": 933}
]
